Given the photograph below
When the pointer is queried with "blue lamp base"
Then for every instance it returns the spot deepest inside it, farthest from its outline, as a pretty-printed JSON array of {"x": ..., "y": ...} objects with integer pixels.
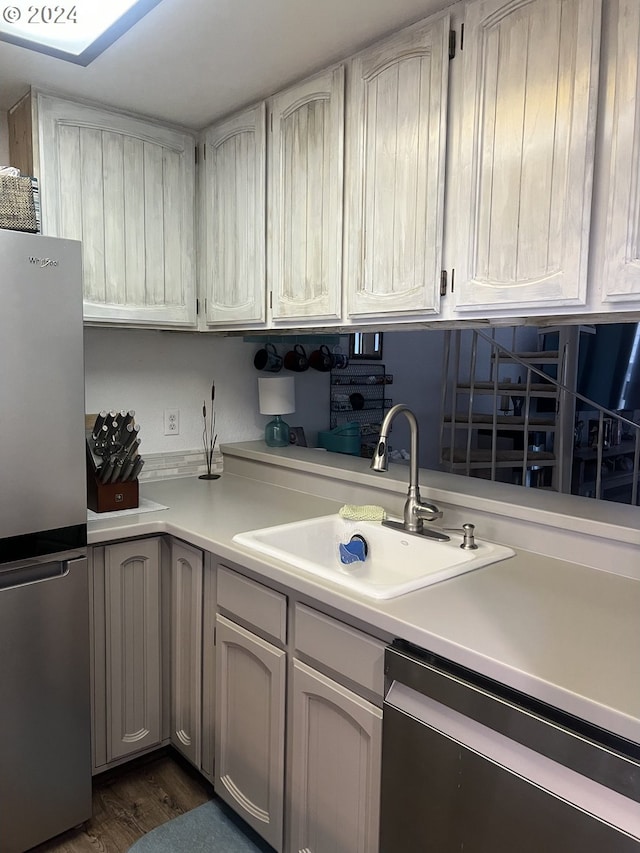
[{"x": 276, "y": 433}]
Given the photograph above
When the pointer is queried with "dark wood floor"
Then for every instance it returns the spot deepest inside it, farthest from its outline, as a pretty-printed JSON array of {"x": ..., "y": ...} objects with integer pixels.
[{"x": 130, "y": 801}]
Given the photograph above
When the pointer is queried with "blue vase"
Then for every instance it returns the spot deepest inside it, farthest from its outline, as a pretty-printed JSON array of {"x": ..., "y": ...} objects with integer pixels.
[{"x": 276, "y": 433}]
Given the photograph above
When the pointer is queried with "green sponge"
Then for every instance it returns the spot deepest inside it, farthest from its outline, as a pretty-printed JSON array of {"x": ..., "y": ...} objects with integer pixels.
[{"x": 368, "y": 512}]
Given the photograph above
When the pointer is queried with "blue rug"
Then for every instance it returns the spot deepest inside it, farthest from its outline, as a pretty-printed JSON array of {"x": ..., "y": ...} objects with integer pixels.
[{"x": 209, "y": 828}]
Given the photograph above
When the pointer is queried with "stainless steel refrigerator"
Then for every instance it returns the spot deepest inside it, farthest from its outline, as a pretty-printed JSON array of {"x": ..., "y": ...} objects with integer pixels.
[{"x": 45, "y": 754}]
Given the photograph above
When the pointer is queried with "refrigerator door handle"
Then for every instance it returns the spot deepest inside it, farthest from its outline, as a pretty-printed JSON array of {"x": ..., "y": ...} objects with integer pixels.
[{"x": 14, "y": 578}]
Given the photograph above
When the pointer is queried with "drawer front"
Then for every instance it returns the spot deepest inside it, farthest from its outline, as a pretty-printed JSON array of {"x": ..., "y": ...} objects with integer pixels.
[
  {"x": 260, "y": 607},
  {"x": 328, "y": 642}
]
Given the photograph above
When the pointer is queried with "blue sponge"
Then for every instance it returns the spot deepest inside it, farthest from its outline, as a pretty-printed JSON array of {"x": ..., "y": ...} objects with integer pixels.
[{"x": 353, "y": 552}]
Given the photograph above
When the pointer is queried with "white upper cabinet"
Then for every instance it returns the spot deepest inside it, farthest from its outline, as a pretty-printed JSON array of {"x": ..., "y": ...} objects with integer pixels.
[
  {"x": 526, "y": 148},
  {"x": 395, "y": 168},
  {"x": 616, "y": 233},
  {"x": 305, "y": 187},
  {"x": 233, "y": 262},
  {"x": 126, "y": 188}
]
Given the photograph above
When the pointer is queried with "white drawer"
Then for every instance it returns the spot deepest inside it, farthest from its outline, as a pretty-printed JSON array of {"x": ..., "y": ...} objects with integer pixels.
[
  {"x": 342, "y": 649},
  {"x": 259, "y": 607}
]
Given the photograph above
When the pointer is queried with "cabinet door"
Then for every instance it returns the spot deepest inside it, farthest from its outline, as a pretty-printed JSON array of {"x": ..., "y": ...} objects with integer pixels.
[
  {"x": 524, "y": 172},
  {"x": 186, "y": 649},
  {"x": 233, "y": 277},
  {"x": 305, "y": 198},
  {"x": 396, "y": 145},
  {"x": 207, "y": 750},
  {"x": 335, "y": 776},
  {"x": 249, "y": 747},
  {"x": 616, "y": 237},
  {"x": 133, "y": 646},
  {"x": 126, "y": 188}
]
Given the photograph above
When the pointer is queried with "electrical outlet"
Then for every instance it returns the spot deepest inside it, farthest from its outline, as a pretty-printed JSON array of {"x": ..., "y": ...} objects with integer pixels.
[{"x": 172, "y": 421}]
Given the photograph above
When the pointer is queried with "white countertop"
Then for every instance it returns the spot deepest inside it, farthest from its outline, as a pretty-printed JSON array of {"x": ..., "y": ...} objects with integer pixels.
[{"x": 564, "y": 633}]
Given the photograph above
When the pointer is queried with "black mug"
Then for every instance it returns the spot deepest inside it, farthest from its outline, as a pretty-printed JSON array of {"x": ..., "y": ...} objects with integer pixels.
[
  {"x": 321, "y": 359},
  {"x": 296, "y": 359},
  {"x": 268, "y": 359},
  {"x": 340, "y": 360}
]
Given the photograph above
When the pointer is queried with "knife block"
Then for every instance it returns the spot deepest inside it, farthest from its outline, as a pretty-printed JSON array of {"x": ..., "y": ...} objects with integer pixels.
[{"x": 107, "y": 497}]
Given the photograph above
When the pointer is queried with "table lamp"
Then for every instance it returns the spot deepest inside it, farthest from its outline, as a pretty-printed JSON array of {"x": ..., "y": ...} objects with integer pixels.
[{"x": 277, "y": 397}]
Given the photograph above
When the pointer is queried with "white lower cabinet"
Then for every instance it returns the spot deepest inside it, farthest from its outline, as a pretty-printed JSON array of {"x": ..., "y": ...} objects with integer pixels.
[
  {"x": 186, "y": 649},
  {"x": 236, "y": 676},
  {"x": 335, "y": 771},
  {"x": 134, "y": 706},
  {"x": 207, "y": 735},
  {"x": 335, "y": 736},
  {"x": 249, "y": 748},
  {"x": 327, "y": 798},
  {"x": 250, "y": 702},
  {"x": 127, "y": 653}
]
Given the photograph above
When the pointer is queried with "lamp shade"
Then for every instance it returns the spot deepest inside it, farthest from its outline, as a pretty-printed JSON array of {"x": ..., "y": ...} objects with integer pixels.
[{"x": 277, "y": 395}]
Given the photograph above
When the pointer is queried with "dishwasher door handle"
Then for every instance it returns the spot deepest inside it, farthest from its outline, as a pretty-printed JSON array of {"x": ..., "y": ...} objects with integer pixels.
[{"x": 35, "y": 573}]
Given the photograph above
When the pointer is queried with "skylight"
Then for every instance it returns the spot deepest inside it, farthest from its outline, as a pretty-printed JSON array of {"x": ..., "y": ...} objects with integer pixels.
[{"x": 76, "y": 31}]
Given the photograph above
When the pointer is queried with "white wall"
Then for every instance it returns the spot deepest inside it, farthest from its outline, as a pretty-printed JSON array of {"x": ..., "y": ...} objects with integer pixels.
[{"x": 152, "y": 371}]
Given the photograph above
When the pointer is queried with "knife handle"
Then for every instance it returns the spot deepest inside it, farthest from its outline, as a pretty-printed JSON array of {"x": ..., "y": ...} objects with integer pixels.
[
  {"x": 136, "y": 468},
  {"x": 112, "y": 430},
  {"x": 104, "y": 474},
  {"x": 127, "y": 468},
  {"x": 129, "y": 431},
  {"x": 126, "y": 424},
  {"x": 100, "y": 438},
  {"x": 117, "y": 471},
  {"x": 99, "y": 423},
  {"x": 129, "y": 450}
]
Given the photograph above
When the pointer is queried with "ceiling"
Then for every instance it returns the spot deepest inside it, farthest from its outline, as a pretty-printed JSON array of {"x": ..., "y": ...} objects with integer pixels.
[{"x": 190, "y": 62}]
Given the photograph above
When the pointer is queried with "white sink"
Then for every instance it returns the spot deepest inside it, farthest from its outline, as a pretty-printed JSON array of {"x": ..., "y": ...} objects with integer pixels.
[{"x": 397, "y": 562}]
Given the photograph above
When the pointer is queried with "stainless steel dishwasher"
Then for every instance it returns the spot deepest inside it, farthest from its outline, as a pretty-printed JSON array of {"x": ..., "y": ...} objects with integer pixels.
[{"x": 469, "y": 765}]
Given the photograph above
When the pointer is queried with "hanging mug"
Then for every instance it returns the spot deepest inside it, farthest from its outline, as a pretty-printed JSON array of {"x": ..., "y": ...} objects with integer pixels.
[
  {"x": 340, "y": 360},
  {"x": 268, "y": 359},
  {"x": 296, "y": 359},
  {"x": 321, "y": 359}
]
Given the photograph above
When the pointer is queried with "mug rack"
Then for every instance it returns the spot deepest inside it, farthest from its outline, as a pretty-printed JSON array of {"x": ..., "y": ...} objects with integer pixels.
[{"x": 296, "y": 353}]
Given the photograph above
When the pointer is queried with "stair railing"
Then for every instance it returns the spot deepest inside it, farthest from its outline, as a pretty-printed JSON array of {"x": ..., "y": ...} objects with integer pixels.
[{"x": 495, "y": 349}]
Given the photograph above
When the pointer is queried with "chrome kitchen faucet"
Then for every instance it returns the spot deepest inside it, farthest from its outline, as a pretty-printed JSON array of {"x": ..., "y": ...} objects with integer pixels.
[{"x": 416, "y": 511}]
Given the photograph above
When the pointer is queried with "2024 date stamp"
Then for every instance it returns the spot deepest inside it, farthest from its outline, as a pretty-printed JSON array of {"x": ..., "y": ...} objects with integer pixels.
[{"x": 39, "y": 15}]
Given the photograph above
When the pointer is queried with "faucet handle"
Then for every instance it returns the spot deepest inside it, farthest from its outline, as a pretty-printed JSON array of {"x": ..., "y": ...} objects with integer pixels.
[{"x": 428, "y": 512}]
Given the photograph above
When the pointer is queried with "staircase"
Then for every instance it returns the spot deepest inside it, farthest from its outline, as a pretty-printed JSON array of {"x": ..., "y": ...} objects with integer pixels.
[{"x": 508, "y": 414}]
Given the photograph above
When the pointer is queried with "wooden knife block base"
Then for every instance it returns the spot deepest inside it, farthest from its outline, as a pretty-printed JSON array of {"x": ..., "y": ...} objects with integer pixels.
[{"x": 107, "y": 497}]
